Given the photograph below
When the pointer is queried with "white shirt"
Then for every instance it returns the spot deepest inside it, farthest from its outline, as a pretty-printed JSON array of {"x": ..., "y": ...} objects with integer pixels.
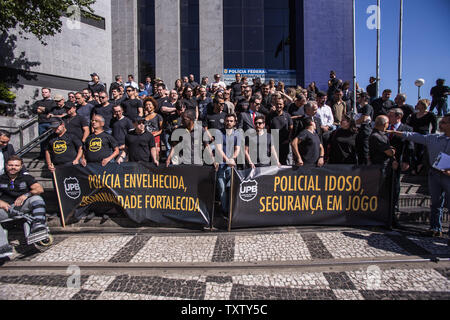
[
  {"x": 221, "y": 84},
  {"x": 132, "y": 84},
  {"x": 326, "y": 115}
]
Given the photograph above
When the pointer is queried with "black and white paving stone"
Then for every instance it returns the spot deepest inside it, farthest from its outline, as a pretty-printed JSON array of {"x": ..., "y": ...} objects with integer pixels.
[
  {"x": 350, "y": 285},
  {"x": 370, "y": 282}
]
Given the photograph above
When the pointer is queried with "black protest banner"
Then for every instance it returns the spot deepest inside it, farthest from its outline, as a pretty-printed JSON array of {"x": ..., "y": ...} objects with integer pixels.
[
  {"x": 174, "y": 196},
  {"x": 339, "y": 195}
]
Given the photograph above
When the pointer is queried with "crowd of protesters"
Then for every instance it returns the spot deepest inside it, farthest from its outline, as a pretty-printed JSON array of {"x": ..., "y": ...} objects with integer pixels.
[{"x": 136, "y": 122}]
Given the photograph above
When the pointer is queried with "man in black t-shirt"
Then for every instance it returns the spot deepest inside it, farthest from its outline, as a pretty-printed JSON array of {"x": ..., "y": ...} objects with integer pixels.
[
  {"x": 132, "y": 107},
  {"x": 242, "y": 102},
  {"x": 63, "y": 148},
  {"x": 282, "y": 121},
  {"x": 307, "y": 147},
  {"x": 382, "y": 105},
  {"x": 76, "y": 124},
  {"x": 236, "y": 86},
  {"x": 372, "y": 89},
  {"x": 364, "y": 123},
  {"x": 100, "y": 147},
  {"x": 400, "y": 102},
  {"x": 333, "y": 84},
  {"x": 439, "y": 93},
  {"x": 216, "y": 119},
  {"x": 23, "y": 192},
  {"x": 43, "y": 108},
  {"x": 139, "y": 144},
  {"x": 105, "y": 109},
  {"x": 266, "y": 101},
  {"x": 120, "y": 126}
]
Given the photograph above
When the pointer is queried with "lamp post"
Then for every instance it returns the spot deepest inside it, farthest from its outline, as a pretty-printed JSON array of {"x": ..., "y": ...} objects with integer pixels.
[{"x": 419, "y": 83}]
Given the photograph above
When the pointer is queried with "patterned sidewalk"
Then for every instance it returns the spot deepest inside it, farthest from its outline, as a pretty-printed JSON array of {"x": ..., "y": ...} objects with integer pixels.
[{"x": 370, "y": 282}]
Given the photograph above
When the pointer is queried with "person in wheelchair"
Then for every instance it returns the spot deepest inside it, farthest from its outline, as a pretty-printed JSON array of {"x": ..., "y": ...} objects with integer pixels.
[{"x": 20, "y": 194}]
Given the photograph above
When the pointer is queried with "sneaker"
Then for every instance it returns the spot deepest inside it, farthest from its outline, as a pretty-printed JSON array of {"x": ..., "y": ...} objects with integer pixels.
[
  {"x": 37, "y": 227},
  {"x": 6, "y": 251}
]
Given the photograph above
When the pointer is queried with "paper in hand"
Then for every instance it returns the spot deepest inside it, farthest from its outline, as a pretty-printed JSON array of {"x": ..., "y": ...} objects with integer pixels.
[{"x": 442, "y": 162}]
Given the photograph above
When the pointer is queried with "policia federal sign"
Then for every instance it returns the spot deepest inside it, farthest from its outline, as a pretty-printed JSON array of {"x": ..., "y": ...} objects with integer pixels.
[
  {"x": 174, "y": 196},
  {"x": 334, "y": 195}
]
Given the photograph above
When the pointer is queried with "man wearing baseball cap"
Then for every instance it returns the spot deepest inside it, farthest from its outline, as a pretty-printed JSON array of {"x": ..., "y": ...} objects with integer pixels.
[
  {"x": 62, "y": 148},
  {"x": 59, "y": 111}
]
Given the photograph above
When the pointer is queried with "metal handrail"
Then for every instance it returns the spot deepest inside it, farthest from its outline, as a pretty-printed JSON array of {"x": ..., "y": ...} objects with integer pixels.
[
  {"x": 30, "y": 146},
  {"x": 22, "y": 127}
]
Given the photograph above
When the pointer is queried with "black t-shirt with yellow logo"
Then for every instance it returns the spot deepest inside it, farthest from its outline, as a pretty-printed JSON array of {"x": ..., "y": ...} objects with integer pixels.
[
  {"x": 98, "y": 147},
  {"x": 10, "y": 190},
  {"x": 64, "y": 149}
]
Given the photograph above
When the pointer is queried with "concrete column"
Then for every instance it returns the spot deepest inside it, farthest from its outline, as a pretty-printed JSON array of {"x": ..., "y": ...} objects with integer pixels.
[
  {"x": 125, "y": 38},
  {"x": 167, "y": 40},
  {"x": 211, "y": 38}
]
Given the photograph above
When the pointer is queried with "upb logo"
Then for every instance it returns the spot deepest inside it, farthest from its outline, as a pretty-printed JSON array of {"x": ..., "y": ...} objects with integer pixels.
[
  {"x": 72, "y": 188},
  {"x": 248, "y": 190}
]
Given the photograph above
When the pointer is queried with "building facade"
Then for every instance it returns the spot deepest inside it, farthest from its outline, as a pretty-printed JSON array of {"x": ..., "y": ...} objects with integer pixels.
[{"x": 297, "y": 41}]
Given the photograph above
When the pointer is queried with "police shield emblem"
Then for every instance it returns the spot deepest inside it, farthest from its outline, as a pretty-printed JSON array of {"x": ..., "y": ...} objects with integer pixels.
[
  {"x": 248, "y": 190},
  {"x": 72, "y": 188}
]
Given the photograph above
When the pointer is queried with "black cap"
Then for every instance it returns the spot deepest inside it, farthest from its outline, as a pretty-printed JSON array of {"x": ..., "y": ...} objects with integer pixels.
[
  {"x": 56, "y": 123},
  {"x": 94, "y": 74}
]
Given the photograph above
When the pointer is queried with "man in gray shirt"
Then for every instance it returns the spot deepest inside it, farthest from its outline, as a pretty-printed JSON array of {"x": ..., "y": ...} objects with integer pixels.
[{"x": 438, "y": 180}]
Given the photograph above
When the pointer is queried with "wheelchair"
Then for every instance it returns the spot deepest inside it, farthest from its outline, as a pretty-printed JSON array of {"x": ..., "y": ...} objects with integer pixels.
[{"x": 41, "y": 238}]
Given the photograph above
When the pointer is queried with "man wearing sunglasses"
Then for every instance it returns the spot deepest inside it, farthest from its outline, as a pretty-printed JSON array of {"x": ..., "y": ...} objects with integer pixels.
[
  {"x": 133, "y": 106},
  {"x": 139, "y": 144},
  {"x": 259, "y": 149},
  {"x": 246, "y": 120}
]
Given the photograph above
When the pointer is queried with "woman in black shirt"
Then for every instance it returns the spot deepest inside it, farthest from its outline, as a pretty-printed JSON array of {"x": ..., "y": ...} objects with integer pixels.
[
  {"x": 420, "y": 123},
  {"x": 342, "y": 144}
]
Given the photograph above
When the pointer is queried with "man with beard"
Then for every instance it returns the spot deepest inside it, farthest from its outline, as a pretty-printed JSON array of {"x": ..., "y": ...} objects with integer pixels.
[
  {"x": 282, "y": 121},
  {"x": 63, "y": 148},
  {"x": 23, "y": 192}
]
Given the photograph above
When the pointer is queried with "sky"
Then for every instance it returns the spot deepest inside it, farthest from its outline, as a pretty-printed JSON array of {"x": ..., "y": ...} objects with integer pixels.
[{"x": 426, "y": 45}]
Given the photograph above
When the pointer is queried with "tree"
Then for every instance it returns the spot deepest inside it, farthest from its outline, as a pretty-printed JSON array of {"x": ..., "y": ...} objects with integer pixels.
[{"x": 39, "y": 17}]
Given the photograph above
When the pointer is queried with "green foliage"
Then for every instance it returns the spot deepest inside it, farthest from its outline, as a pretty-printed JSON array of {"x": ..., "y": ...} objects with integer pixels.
[
  {"x": 39, "y": 17},
  {"x": 6, "y": 94}
]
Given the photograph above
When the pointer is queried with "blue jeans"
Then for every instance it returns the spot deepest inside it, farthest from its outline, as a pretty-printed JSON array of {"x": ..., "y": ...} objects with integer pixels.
[
  {"x": 439, "y": 187},
  {"x": 223, "y": 185},
  {"x": 42, "y": 128},
  {"x": 165, "y": 137}
]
